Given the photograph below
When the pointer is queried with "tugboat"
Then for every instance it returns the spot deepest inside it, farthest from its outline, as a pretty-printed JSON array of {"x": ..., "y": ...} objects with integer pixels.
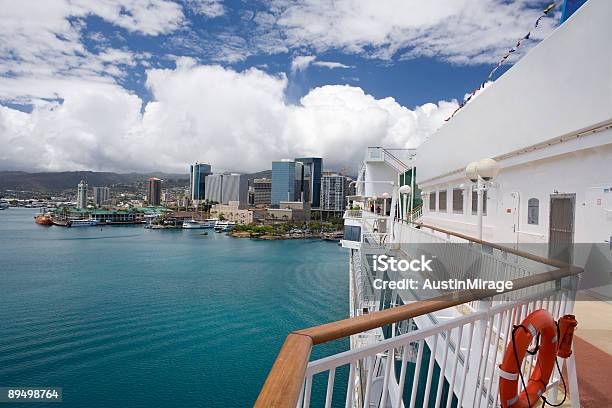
[{"x": 43, "y": 219}]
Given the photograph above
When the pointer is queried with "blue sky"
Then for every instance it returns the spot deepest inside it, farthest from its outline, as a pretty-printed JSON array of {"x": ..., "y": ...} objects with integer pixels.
[
  {"x": 282, "y": 78},
  {"x": 411, "y": 82}
]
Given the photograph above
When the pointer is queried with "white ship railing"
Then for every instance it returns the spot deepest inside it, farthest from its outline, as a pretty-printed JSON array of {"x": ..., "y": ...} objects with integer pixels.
[
  {"x": 459, "y": 252},
  {"x": 374, "y": 223},
  {"x": 374, "y": 238},
  {"x": 467, "y": 348},
  {"x": 363, "y": 282},
  {"x": 353, "y": 214},
  {"x": 416, "y": 214},
  {"x": 482, "y": 367},
  {"x": 461, "y": 259},
  {"x": 363, "y": 300}
]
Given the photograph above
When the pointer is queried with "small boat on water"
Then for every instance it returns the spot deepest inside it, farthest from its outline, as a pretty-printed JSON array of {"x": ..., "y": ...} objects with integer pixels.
[
  {"x": 224, "y": 226},
  {"x": 62, "y": 222},
  {"x": 83, "y": 223},
  {"x": 43, "y": 219},
  {"x": 210, "y": 222},
  {"x": 193, "y": 224},
  {"x": 154, "y": 226},
  {"x": 4, "y": 205}
]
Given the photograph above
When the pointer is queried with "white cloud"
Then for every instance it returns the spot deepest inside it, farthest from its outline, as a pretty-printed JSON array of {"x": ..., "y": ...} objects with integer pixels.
[
  {"x": 82, "y": 119},
  {"x": 44, "y": 41},
  {"x": 235, "y": 120},
  {"x": 87, "y": 128},
  {"x": 301, "y": 62},
  {"x": 331, "y": 64},
  {"x": 458, "y": 31},
  {"x": 150, "y": 17},
  {"x": 208, "y": 8}
]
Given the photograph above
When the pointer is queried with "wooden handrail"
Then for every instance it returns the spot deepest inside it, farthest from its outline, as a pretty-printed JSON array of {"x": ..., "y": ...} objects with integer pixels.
[
  {"x": 285, "y": 380},
  {"x": 284, "y": 383}
]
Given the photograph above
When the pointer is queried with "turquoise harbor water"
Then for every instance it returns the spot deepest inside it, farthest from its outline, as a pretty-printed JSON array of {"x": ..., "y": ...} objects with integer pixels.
[{"x": 129, "y": 317}]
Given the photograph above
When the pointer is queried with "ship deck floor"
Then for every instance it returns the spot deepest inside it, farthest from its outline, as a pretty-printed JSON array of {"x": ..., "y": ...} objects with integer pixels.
[{"x": 593, "y": 348}]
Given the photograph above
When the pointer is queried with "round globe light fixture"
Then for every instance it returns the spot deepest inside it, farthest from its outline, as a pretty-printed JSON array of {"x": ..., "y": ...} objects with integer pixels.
[
  {"x": 385, "y": 195},
  {"x": 487, "y": 169},
  {"x": 405, "y": 189},
  {"x": 471, "y": 171}
]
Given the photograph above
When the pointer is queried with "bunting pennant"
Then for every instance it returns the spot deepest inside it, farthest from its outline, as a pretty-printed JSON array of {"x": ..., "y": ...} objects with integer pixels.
[{"x": 503, "y": 59}]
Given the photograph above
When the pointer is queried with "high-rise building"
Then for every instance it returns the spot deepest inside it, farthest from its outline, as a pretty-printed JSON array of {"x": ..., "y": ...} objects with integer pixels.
[
  {"x": 287, "y": 180},
  {"x": 197, "y": 180},
  {"x": 251, "y": 196},
  {"x": 101, "y": 195},
  {"x": 236, "y": 188},
  {"x": 334, "y": 189},
  {"x": 226, "y": 187},
  {"x": 154, "y": 191},
  {"x": 82, "y": 194},
  {"x": 215, "y": 188},
  {"x": 311, "y": 185},
  {"x": 262, "y": 190}
]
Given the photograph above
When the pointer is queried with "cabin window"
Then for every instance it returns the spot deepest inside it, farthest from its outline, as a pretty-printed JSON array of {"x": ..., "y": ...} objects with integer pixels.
[
  {"x": 432, "y": 201},
  {"x": 533, "y": 211},
  {"x": 458, "y": 200},
  {"x": 442, "y": 201},
  {"x": 475, "y": 202}
]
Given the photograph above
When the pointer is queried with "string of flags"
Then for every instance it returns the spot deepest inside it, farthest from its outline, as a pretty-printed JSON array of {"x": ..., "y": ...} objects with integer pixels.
[{"x": 503, "y": 60}]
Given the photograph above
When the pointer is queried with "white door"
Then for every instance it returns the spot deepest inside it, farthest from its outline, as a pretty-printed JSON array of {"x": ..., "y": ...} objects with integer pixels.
[{"x": 511, "y": 208}]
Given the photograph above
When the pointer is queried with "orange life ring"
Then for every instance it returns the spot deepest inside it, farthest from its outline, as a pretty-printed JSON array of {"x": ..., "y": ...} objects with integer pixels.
[{"x": 541, "y": 322}]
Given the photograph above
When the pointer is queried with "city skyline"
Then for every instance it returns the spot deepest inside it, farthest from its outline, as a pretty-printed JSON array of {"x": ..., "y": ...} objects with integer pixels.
[{"x": 305, "y": 185}]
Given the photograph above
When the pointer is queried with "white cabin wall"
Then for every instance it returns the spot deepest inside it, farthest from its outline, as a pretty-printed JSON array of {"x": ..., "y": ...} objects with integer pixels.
[
  {"x": 378, "y": 172},
  {"x": 586, "y": 172},
  {"x": 562, "y": 85}
]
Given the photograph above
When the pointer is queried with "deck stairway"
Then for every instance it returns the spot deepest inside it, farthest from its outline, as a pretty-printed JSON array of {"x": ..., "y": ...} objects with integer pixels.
[
  {"x": 445, "y": 347},
  {"x": 397, "y": 159},
  {"x": 416, "y": 214}
]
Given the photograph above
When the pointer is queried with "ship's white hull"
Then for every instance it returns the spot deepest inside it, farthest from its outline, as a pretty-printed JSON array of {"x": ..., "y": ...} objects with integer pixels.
[
  {"x": 83, "y": 223},
  {"x": 199, "y": 224}
]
